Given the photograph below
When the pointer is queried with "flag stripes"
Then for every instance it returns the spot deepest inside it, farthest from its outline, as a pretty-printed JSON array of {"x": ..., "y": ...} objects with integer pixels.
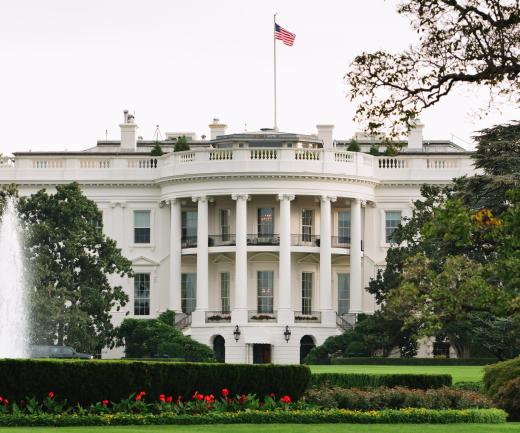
[{"x": 283, "y": 35}]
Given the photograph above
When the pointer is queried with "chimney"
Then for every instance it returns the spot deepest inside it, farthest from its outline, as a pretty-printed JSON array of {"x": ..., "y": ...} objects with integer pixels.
[
  {"x": 415, "y": 137},
  {"x": 128, "y": 132},
  {"x": 216, "y": 129},
  {"x": 325, "y": 133}
]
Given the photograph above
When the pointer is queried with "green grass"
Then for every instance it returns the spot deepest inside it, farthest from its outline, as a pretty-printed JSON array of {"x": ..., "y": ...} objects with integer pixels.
[
  {"x": 459, "y": 373},
  {"x": 283, "y": 428}
]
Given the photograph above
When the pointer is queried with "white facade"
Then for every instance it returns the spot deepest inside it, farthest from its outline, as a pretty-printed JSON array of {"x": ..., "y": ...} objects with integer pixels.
[{"x": 267, "y": 231}]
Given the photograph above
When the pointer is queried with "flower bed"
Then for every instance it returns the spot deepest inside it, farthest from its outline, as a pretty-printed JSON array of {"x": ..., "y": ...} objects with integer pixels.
[
  {"x": 415, "y": 416},
  {"x": 396, "y": 398}
]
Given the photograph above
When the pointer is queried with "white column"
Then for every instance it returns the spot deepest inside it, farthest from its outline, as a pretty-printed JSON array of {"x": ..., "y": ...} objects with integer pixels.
[
  {"x": 356, "y": 289},
  {"x": 239, "y": 313},
  {"x": 175, "y": 255},
  {"x": 202, "y": 260},
  {"x": 328, "y": 316},
  {"x": 285, "y": 313}
]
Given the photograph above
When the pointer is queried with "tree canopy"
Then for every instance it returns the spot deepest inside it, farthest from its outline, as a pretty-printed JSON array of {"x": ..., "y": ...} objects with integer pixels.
[{"x": 472, "y": 42}]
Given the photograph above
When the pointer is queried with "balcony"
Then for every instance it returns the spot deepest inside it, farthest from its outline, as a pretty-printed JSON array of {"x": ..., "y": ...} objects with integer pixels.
[
  {"x": 307, "y": 317},
  {"x": 189, "y": 242},
  {"x": 340, "y": 242},
  {"x": 218, "y": 317},
  {"x": 267, "y": 239},
  {"x": 221, "y": 240},
  {"x": 255, "y": 316},
  {"x": 305, "y": 240}
]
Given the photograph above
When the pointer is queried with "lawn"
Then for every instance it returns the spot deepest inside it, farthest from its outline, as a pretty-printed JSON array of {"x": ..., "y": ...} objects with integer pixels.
[
  {"x": 459, "y": 373},
  {"x": 283, "y": 428}
]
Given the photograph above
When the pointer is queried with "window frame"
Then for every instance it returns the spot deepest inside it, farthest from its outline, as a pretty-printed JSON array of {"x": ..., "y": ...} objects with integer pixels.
[
  {"x": 346, "y": 299},
  {"x": 265, "y": 302},
  {"x": 386, "y": 228},
  {"x": 188, "y": 304},
  {"x": 306, "y": 230},
  {"x": 188, "y": 233},
  {"x": 225, "y": 291},
  {"x": 260, "y": 225},
  {"x": 147, "y": 240},
  {"x": 224, "y": 229},
  {"x": 339, "y": 228},
  {"x": 142, "y": 310},
  {"x": 307, "y": 278}
]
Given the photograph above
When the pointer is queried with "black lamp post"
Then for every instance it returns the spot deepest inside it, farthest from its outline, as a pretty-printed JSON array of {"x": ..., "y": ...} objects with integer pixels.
[
  {"x": 237, "y": 333},
  {"x": 287, "y": 334}
]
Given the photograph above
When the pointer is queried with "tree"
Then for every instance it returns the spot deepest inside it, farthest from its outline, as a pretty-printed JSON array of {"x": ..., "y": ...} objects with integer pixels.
[
  {"x": 157, "y": 150},
  {"x": 353, "y": 146},
  {"x": 70, "y": 259},
  {"x": 146, "y": 338},
  {"x": 181, "y": 144},
  {"x": 374, "y": 150},
  {"x": 472, "y": 42}
]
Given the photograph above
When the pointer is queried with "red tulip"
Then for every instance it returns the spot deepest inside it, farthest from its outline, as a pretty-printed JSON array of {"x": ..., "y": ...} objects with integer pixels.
[
  {"x": 225, "y": 392},
  {"x": 162, "y": 397},
  {"x": 51, "y": 394},
  {"x": 105, "y": 403},
  {"x": 169, "y": 399}
]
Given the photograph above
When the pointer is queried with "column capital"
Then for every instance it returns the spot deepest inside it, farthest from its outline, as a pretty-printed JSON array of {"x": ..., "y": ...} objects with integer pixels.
[
  {"x": 240, "y": 197},
  {"x": 174, "y": 201},
  {"x": 326, "y": 198},
  {"x": 289, "y": 197},
  {"x": 201, "y": 198}
]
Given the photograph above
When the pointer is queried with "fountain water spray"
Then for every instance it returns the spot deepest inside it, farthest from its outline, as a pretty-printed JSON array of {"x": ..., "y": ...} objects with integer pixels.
[{"x": 13, "y": 298}]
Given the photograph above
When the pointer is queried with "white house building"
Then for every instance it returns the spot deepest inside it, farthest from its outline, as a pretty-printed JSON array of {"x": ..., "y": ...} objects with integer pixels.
[{"x": 262, "y": 242}]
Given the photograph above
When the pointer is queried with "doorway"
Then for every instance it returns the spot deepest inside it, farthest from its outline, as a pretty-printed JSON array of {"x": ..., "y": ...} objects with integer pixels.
[
  {"x": 261, "y": 353},
  {"x": 306, "y": 345},
  {"x": 219, "y": 348}
]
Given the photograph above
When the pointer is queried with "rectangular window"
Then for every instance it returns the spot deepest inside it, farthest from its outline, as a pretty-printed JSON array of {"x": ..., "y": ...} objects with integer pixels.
[
  {"x": 188, "y": 293},
  {"x": 97, "y": 222},
  {"x": 224, "y": 292},
  {"x": 141, "y": 294},
  {"x": 265, "y": 291},
  {"x": 343, "y": 293},
  {"x": 142, "y": 226},
  {"x": 189, "y": 226},
  {"x": 307, "y": 280},
  {"x": 392, "y": 221},
  {"x": 344, "y": 227},
  {"x": 224, "y": 224},
  {"x": 265, "y": 222},
  {"x": 307, "y": 219}
]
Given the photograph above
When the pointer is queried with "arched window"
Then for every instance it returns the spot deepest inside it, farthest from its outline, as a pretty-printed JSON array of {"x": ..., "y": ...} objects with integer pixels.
[
  {"x": 306, "y": 345},
  {"x": 219, "y": 348}
]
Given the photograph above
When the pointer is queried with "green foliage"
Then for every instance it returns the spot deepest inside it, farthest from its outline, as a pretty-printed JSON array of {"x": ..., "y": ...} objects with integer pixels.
[
  {"x": 157, "y": 150},
  {"x": 508, "y": 398},
  {"x": 345, "y": 380},
  {"x": 92, "y": 381},
  {"x": 379, "y": 360},
  {"x": 390, "y": 416},
  {"x": 496, "y": 375},
  {"x": 396, "y": 398},
  {"x": 391, "y": 150},
  {"x": 70, "y": 259},
  {"x": 354, "y": 146},
  {"x": 374, "y": 150},
  {"x": 181, "y": 144},
  {"x": 146, "y": 338}
]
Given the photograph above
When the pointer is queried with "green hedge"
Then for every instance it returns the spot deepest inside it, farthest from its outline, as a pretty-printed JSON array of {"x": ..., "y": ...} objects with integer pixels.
[
  {"x": 411, "y": 361},
  {"x": 86, "y": 382},
  {"x": 415, "y": 416},
  {"x": 347, "y": 380},
  {"x": 498, "y": 374}
]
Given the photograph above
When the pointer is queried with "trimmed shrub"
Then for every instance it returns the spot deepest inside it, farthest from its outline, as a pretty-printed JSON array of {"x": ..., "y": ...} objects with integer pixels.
[
  {"x": 411, "y": 361},
  {"x": 415, "y": 416},
  {"x": 417, "y": 381},
  {"x": 498, "y": 374},
  {"x": 353, "y": 146},
  {"x": 508, "y": 398},
  {"x": 469, "y": 386},
  {"x": 85, "y": 382},
  {"x": 396, "y": 398}
]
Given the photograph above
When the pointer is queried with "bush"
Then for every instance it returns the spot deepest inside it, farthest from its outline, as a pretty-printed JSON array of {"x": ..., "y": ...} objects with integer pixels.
[
  {"x": 354, "y": 146},
  {"x": 92, "y": 381},
  {"x": 157, "y": 150},
  {"x": 415, "y": 416},
  {"x": 396, "y": 398},
  {"x": 508, "y": 398},
  {"x": 374, "y": 150},
  {"x": 181, "y": 144},
  {"x": 469, "y": 386},
  {"x": 498, "y": 374},
  {"x": 411, "y": 361},
  {"x": 418, "y": 381}
]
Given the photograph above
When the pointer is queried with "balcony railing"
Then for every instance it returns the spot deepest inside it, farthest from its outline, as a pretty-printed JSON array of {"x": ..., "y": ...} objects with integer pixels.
[
  {"x": 221, "y": 240},
  {"x": 189, "y": 242},
  {"x": 256, "y": 239},
  {"x": 340, "y": 242},
  {"x": 304, "y": 240},
  {"x": 307, "y": 316},
  {"x": 218, "y": 317},
  {"x": 255, "y": 316}
]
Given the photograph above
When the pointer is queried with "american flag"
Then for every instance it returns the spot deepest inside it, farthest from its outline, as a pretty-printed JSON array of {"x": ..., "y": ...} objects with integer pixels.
[{"x": 286, "y": 37}]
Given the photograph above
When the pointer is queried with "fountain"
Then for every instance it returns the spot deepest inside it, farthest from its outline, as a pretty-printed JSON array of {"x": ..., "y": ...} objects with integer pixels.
[{"x": 13, "y": 303}]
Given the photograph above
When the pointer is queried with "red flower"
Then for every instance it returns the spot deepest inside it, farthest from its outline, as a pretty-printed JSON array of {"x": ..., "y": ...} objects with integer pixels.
[
  {"x": 142, "y": 393},
  {"x": 285, "y": 399},
  {"x": 105, "y": 403},
  {"x": 242, "y": 399},
  {"x": 1, "y": 399},
  {"x": 162, "y": 397},
  {"x": 200, "y": 397},
  {"x": 6, "y": 402},
  {"x": 225, "y": 392},
  {"x": 210, "y": 398},
  {"x": 194, "y": 396},
  {"x": 51, "y": 394},
  {"x": 138, "y": 397},
  {"x": 169, "y": 399}
]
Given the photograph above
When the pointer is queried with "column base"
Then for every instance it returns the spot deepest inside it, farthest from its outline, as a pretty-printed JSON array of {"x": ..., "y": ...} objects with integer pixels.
[
  {"x": 198, "y": 317},
  {"x": 328, "y": 318},
  {"x": 239, "y": 317},
  {"x": 285, "y": 317}
]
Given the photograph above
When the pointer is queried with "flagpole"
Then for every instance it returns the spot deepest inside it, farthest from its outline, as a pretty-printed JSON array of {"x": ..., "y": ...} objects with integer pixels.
[{"x": 274, "y": 63}]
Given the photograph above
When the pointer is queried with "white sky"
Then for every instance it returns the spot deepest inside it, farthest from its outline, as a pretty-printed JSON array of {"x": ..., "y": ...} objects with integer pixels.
[{"x": 69, "y": 68}]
